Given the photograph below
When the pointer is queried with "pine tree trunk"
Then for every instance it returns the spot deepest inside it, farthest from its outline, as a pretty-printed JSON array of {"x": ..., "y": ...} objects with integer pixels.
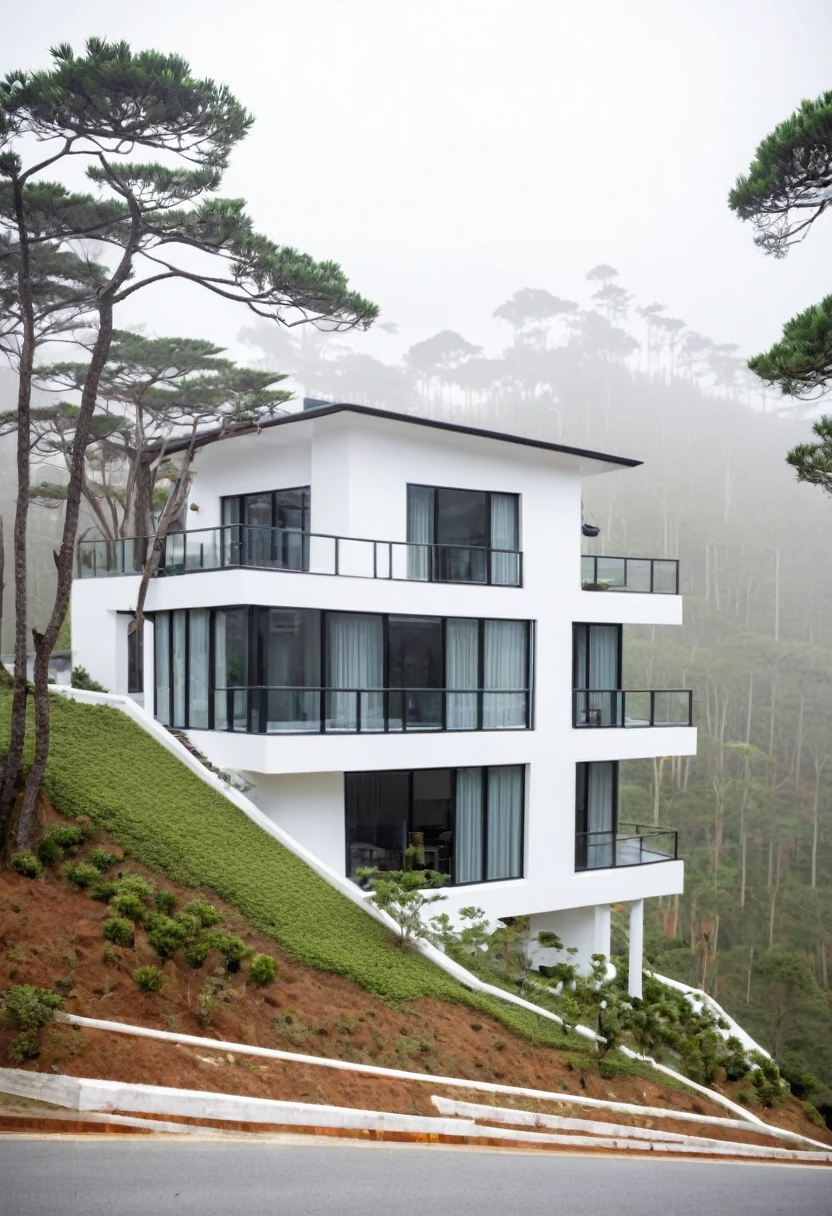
[
  {"x": 17, "y": 733},
  {"x": 45, "y": 642}
]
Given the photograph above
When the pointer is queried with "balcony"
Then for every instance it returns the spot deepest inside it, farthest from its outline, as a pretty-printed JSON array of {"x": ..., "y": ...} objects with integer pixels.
[
  {"x": 646, "y": 575},
  {"x": 631, "y": 708},
  {"x": 631, "y": 845},
  {"x": 236, "y": 546},
  {"x": 285, "y": 710}
]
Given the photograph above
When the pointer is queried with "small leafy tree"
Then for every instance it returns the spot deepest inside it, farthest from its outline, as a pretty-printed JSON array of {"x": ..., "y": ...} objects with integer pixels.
[{"x": 405, "y": 895}]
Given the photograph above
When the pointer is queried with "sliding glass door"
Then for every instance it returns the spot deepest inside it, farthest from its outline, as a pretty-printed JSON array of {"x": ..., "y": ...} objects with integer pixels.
[
  {"x": 290, "y": 659},
  {"x": 596, "y": 814},
  {"x": 414, "y": 648},
  {"x": 597, "y": 674},
  {"x": 267, "y": 530}
]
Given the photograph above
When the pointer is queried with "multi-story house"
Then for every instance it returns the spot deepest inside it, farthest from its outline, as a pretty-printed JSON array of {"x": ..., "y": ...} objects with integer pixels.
[{"x": 386, "y": 625}]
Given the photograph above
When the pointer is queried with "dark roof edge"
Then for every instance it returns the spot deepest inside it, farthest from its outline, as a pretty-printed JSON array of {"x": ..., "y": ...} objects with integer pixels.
[{"x": 372, "y": 412}]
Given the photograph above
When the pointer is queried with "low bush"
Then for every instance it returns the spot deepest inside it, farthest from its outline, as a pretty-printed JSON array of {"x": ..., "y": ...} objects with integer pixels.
[
  {"x": 233, "y": 949},
  {"x": 127, "y": 903},
  {"x": 66, "y": 836},
  {"x": 205, "y": 913},
  {"x": 165, "y": 902},
  {"x": 197, "y": 952},
  {"x": 136, "y": 885},
  {"x": 49, "y": 851},
  {"x": 28, "y": 1009},
  {"x": 23, "y": 1047},
  {"x": 104, "y": 890},
  {"x": 80, "y": 678},
  {"x": 166, "y": 935},
  {"x": 102, "y": 859},
  {"x": 82, "y": 875},
  {"x": 262, "y": 970},
  {"x": 26, "y": 864},
  {"x": 119, "y": 930},
  {"x": 148, "y": 979}
]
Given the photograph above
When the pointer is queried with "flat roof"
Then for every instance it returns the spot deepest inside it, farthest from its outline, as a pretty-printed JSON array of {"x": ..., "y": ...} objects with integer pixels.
[{"x": 324, "y": 411}]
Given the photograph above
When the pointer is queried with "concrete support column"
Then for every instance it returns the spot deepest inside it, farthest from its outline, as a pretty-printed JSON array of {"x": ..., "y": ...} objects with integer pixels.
[
  {"x": 636, "y": 947},
  {"x": 148, "y": 666}
]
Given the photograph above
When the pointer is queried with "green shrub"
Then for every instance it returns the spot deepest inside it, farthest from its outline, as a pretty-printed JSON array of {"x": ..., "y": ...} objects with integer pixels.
[
  {"x": 49, "y": 851},
  {"x": 197, "y": 952},
  {"x": 165, "y": 902},
  {"x": 189, "y": 924},
  {"x": 233, "y": 949},
  {"x": 24, "y": 1046},
  {"x": 81, "y": 678},
  {"x": 135, "y": 885},
  {"x": 29, "y": 1008},
  {"x": 118, "y": 930},
  {"x": 101, "y": 859},
  {"x": 104, "y": 890},
  {"x": 126, "y": 903},
  {"x": 205, "y": 913},
  {"x": 166, "y": 936},
  {"x": 262, "y": 970},
  {"x": 26, "y": 864},
  {"x": 813, "y": 1114},
  {"x": 66, "y": 836},
  {"x": 148, "y": 979},
  {"x": 81, "y": 875}
]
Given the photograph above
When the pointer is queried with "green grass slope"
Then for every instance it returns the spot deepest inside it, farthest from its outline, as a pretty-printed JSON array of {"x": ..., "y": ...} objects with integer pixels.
[{"x": 105, "y": 766}]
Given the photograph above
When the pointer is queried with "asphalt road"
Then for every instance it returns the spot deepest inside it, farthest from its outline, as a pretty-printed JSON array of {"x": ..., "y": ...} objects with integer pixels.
[{"x": 98, "y": 1177}]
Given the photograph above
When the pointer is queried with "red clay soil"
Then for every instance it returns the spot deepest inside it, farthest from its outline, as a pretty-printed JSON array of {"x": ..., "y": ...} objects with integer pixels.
[{"x": 50, "y": 935}]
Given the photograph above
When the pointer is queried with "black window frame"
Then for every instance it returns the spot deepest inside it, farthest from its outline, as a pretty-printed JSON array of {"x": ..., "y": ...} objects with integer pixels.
[
  {"x": 485, "y": 770},
  {"x": 582, "y": 768},
  {"x": 304, "y": 530},
  {"x": 256, "y": 705},
  {"x": 580, "y": 641},
  {"x": 437, "y": 544}
]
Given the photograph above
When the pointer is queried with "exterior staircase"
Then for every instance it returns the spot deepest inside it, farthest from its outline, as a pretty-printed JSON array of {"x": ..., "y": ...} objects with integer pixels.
[{"x": 182, "y": 738}]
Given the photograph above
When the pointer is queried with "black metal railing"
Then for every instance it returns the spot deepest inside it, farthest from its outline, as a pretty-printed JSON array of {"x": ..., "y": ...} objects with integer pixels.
[
  {"x": 631, "y": 708},
  {"x": 261, "y": 548},
  {"x": 656, "y": 575},
  {"x": 293, "y": 710},
  {"x": 630, "y": 845},
  {"x": 437, "y": 857}
]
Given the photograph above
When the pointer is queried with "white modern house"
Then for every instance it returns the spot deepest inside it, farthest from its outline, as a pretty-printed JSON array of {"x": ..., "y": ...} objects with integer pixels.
[{"x": 386, "y": 625}]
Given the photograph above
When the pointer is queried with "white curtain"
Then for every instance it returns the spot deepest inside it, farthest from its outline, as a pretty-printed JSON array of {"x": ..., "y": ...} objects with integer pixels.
[
  {"x": 603, "y": 671},
  {"x": 355, "y": 661},
  {"x": 468, "y": 836},
  {"x": 198, "y": 667},
  {"x": 161, "y": 631},
  {"x": 178, "y": 672},
  {"x": 600, "y": 816},
  {"x": 420, "y": 517},
  {"x": 220, "y": 681},
  {"x": 505, "y": 667},
  {"x": 462, "y": 671},
  {"x": 505, "y": 822},
  {"x": 505, "y": 567}
]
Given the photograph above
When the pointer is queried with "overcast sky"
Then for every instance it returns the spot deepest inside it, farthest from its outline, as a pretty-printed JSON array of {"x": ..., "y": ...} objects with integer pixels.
[{"x": 448, "y": 152}]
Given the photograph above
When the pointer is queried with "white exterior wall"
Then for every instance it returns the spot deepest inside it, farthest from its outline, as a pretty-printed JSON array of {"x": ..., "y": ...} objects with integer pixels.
[
  {"x": 585, "y": 929},
  {"x": 309, "y": 806},
  {"x": 358, "y": 468}
]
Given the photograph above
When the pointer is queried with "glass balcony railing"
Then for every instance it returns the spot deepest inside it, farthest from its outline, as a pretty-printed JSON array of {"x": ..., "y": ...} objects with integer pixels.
[
  {"x": 620, "y": 707},
  {"x": 284, "y": 710},
  {"x": 653, "y": 575},
  {"x": 242, "y": 545},
  {"x": 630, "y": 845}
]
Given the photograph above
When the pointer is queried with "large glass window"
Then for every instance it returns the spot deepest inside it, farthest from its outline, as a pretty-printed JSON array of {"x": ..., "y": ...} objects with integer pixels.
[
  {"x": 415, "y": 665},
  {"x": 466, "y": 823},
  {"x": 597, "y": 674},
  {"x": 269, "y": 529},
  {"x": 271, "y": 670},
  {"x": 466, "y": 536},
  {"x": 135, "y": 659},
  {"x": 596, "y": 814},
  {"x": 291, "y": 661},
  {"x": 231, "y": 650}
]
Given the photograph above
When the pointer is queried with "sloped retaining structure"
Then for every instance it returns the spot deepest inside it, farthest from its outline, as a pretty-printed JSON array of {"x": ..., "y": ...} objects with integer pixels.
[{"x": 458, "y": 1123}]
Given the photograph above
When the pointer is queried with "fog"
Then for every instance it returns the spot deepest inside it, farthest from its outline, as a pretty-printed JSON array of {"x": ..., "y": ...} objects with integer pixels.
[{"x": 449, "y": 152}]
